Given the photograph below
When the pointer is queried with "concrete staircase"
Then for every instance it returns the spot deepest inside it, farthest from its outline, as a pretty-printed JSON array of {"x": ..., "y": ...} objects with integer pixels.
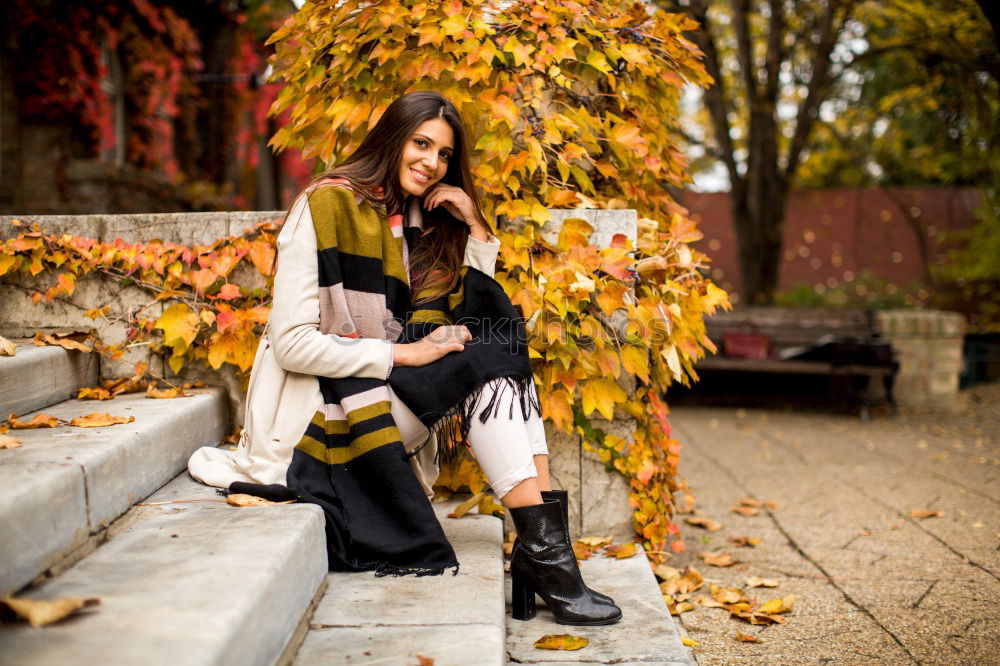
[{"x": 184, "y": 578}]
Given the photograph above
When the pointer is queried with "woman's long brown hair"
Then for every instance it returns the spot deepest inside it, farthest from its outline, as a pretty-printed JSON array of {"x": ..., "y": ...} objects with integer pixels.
[{"x": 437, "y": 259}]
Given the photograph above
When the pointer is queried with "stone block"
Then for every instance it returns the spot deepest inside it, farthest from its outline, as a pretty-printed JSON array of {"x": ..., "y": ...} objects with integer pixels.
[
  {"x": 606, "y": 224},
  {"x": 87, "y": 226},
  {"x": 124, "y": 463},
  {"x": 240, "y": 221},
  {"x": 199, "y": 583},
  {"x": 43, "y": 514},
  {"x": 36, "y": 377},
  {"x": 183, "y": 228},
  {"x": 646, "y": 632}
]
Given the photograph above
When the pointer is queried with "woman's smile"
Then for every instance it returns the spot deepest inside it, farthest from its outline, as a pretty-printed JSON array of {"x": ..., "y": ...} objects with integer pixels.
[{"x": 426, "y": 156}]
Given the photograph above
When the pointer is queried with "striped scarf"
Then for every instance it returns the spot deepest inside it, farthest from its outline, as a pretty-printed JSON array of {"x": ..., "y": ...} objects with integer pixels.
[{"x": 351, "y": 459}]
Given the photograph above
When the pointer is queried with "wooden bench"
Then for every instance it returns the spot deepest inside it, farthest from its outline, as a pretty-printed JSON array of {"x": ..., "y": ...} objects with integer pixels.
[{"x": 837, "y": 343}]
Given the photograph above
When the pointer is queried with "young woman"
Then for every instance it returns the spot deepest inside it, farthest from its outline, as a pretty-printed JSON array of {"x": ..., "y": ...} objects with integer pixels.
[{"x": 385, "y": 326}]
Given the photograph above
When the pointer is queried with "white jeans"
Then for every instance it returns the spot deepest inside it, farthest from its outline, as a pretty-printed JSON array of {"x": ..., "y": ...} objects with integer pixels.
[{"x": 504, "y": 447}]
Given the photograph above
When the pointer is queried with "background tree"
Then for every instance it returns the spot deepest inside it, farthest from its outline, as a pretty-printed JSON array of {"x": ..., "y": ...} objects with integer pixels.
[{"x": 568, "y": 104}]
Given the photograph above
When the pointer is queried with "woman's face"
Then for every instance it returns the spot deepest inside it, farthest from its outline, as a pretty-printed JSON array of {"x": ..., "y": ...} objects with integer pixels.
[{"x": 425, "y": 156}]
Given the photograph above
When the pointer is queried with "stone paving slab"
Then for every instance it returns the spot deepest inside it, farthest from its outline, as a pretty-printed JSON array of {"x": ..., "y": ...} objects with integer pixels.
[
  {"x": 116, "y": 467},
  {"x": 873, "y": 584},
  {"x": 447, "y": 645},
  {"x": 186, "y": 583},
  {"x": 454, "y": 619},
  {"x": 36, "y": 377},
  {"x": 645, "y": 634}
]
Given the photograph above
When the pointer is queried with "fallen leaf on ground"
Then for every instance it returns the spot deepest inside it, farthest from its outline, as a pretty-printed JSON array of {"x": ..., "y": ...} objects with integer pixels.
[
  {"x": 762, "y": 582},
  {"x": 99, "y": 420},
  {"x": 583, "y": 551},
  {"x": 690, "y": 643},
  {"x": 726, "y": 595},
  {"x": 561, "y": 642},
  {"x": 717, "y": 558},
  {"x": 490, "y": 507},
  {"x": 678, "y": 608},
  {"x": 66, "y": 341},
  {"x": 93, "y": 393},
  {"x": 39, "y": 613},
  {"x": 153, "y": 392},
  {"x": 7, "y": 348},
  {"x": 745, "y": 510},
  {"x": 38, "y": 421},
  {"x": 925, "y": 513},
  {"x": 424, "y": 661},
  {"x": 620, "y": 550},
  {"x": 10, "y": 442},
  {"x": 664, "y": 572},
  {"x": 196, "y": 384},
  {"x": 746, "y": 638},
  {"x": 594, "y": 540},
  {"x": 779, "y": 605},
  {"x": 239, "y": 499},
  {"x": 707, "y": 523},
  {"x": 749, "y": 501},
  {"x": 744, "y": 541},
  {"x": 708, "y": 602},
  {"x": 467, "y": 505},
  {"x": 865, "y": 533},
  {"x": 685, "y": 583}
]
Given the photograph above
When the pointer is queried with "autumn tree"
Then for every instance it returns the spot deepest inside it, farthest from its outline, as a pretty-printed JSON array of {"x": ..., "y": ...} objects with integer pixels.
[{"x": 569, "y": 104}]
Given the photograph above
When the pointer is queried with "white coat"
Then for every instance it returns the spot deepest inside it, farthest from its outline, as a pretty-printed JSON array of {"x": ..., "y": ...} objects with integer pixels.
[{"x": 283, "y": 393}]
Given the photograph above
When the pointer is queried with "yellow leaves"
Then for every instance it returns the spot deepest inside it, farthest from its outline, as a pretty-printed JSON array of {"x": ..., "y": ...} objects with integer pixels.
[
  {"x": 717, "y": 559},
  {"x": 239, "y": 499},
  {"x": 467, "y": 505},
  {"x": 701, "y": 521},
  {"x": 744, "y": 541},
  {"x": 689, "y": 642},
  {"x": 180, "y": 327},
  {"x": 99, "y": 420},
  {"x": 669, "y": 353},
  {"x": 621, "y": 550},
  {"x": 597, "y": 60},
  {"x": 779, "y": 605},
  {"x": 557, "y": 406},
  {"x": 71, "y": 341},
  {"x": 39, "y": 613},
  {"x": 925, "y": 513},
  {"x": 38, "y": 421},
  {"x": 561, "y": 642},
  {"x": 762, "y": 582},
  {"x": 7, "y": 348},
  {"x": 575, "y": 231},
  {"x": 601, "y": 395}
]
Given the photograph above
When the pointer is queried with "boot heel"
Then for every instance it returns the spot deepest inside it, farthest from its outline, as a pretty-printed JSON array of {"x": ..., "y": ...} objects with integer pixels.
[{"x": 522, "y": 605}]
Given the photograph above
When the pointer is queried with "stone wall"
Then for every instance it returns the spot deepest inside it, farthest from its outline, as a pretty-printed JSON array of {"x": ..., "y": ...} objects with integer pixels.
[
  {"x": 598, "y": 498},
  {"x": 928, "y": 346}
]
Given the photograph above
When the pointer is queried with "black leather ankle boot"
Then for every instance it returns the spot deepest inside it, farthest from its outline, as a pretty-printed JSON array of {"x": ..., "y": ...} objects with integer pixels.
[
  {"x": 562, "y": 497},
  {"x": 545, "y": 564}
]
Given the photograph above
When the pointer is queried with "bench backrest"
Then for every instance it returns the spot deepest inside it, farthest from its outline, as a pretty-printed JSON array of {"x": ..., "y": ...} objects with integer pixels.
[{"x": 788, "y": 327}]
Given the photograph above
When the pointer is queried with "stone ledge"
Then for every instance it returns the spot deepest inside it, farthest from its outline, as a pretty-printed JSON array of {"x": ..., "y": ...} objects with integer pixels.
[
  {"x": 198, "y": 583},
  {"x": 36, "y": 377},
  {"x": 101, "y": 472},
  {"x": 454, "y": 619},
  {"x": 646, "y": 634}
]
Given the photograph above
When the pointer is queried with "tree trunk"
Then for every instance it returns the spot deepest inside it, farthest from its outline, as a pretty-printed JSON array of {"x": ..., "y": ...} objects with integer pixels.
[{"x": 758, "y": 210}]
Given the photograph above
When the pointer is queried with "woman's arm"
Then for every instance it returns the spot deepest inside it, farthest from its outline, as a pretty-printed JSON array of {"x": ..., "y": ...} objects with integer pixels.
[
  {"x": 482, "y": 254},
  {"x": 299, "y": 346}
]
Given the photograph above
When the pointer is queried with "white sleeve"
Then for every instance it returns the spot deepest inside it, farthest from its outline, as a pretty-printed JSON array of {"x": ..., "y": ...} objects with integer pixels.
[
  {"x": 299, "y": 346},
  {"x": 482, "y": 256}
]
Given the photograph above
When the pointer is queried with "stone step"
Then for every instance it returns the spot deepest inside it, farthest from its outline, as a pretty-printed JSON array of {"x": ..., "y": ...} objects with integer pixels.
[
  {"x": 193, "y": 583},
  {"x": 645, "y": 635},
  {"x": 36, "y": 377},
  {"x": 456, "y": 620},
  {"x": 65, "y": 485}
]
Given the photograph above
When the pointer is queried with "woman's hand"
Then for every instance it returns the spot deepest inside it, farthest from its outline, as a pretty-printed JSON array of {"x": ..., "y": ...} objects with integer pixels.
[
  {"x": 457, "y": 202},
  {"x": 442, "y": 340}
]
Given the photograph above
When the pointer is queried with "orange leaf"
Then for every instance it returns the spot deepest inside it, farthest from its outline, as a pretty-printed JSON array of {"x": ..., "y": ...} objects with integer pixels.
[
  {"x": 66, "y": 341},
  {"x": 620, "y": 550},
  {"x": 707, "y": 523},
  {"x": 925, "y": 513},
  {"x": 717, "y": 559},
  {"x": 39, "y": 613},
  {"x": 10, "y": 442},
  {"x": 228, "y": 292},
  {"x": 93, "y": 393},
  {"x": 153, "y": 392},
  {"x": 744, "y": 541},
  {"x": 238, "y": 499},
  {"x": 99, "y": 420},
  {"x": 746, "y": 638},
  {"x": 38, "y": 421},
  {"x": 467, "y": 505}
]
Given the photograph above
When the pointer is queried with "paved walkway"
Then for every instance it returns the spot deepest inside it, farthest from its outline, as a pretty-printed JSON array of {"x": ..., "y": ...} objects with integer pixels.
[{"x": 873, "y": 583}]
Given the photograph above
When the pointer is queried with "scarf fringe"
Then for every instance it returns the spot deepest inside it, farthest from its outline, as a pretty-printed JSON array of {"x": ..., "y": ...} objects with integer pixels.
[
  {"x": 452, "y": 428},
  {"x": 386, "y": 569}
]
